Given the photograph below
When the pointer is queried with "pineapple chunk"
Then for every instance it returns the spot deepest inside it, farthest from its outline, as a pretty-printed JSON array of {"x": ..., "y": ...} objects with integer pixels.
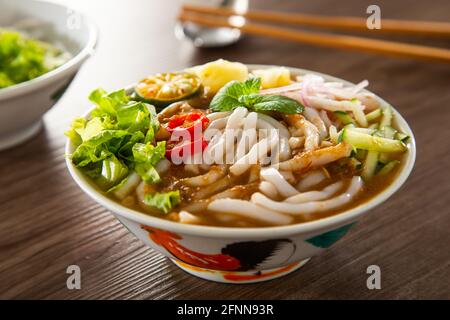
[
  {"x": 273, "y": 77},
  {"x": 214, "y": 75}
]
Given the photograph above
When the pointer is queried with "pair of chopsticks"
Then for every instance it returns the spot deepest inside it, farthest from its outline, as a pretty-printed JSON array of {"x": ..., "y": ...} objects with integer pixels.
[{"x": 221, "y": 17}]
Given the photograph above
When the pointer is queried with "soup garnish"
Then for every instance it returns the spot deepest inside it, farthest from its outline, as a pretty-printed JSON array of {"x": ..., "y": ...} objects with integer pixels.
[
  {"x": 254, "y": 152},
  {"x": 23, "y": 58},
  {"x": 165, "y": 88}
]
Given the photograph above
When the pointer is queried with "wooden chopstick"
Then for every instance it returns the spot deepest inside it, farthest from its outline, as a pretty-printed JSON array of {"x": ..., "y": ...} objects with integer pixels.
[
  {"x": 327, "y": 40},
  {"x": 389, "y": 26}
]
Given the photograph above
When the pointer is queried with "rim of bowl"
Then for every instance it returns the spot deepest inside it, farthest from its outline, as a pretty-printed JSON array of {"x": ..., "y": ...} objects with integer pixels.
[
  {"x": 72, "y": 63},
  {"x": 260, "y": 232}
]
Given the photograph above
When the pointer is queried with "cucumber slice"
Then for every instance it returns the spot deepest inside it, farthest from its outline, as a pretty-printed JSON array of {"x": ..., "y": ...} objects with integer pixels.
[
  {"x": 388, "y": 167},
  {"x": 373, "y": 115},
  {"x": 370, "y": 165},
  {"x": 384, "y": 158},
  {"x": 363, "y": 130},
  {"x": 386, "y": 118},
  {"x": 387, "y": 132},
  {"x": 344, "y": 117},
  {"x": 401, "y": 136},
  {"x": 372, "y": 143},
  {"x": 361, "y": 154}
]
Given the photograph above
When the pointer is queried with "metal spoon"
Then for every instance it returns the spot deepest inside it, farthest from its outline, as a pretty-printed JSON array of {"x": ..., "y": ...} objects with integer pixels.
[{"x": 212, "y": 37}]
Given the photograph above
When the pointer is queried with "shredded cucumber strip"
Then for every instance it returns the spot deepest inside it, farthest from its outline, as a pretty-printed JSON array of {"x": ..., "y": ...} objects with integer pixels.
[
  {"x": 370, "y": 165},
  {"x": 386, "y": 118},
  {"x": 344, "y": 117},
  {"x": 401, "y": 136},
  {"x": 388, "y": 167},
  {"x": 373, "y": 115},
  {"x": 384, "y": 158},
  {"x": 371, "y": 143},
  {"x": 380, "y": 140}
]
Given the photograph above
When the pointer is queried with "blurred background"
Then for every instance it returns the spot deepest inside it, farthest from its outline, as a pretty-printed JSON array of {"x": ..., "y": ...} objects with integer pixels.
[{"x": 137, "y": 38}]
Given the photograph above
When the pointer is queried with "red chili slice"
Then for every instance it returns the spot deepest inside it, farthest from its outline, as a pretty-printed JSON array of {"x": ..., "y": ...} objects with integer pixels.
[
  {"x": 188, "y": 122},
  {"x": 176, "y": 148}
]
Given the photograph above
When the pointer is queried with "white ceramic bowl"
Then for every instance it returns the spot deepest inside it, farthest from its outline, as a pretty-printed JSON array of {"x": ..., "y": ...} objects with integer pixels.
[
  {"x": 23, "y": 105},
  {"x": 244, "y": 255}
]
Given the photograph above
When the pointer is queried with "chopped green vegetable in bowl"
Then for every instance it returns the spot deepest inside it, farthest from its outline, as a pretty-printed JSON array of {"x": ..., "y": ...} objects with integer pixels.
[
  {"x": 117, "y": 139},
  {"x": 118, "y": 142},
  {"x": 116, "y": 147},
  {"x": 38, "y": 63},
  {"x": 23, "y": 58}
]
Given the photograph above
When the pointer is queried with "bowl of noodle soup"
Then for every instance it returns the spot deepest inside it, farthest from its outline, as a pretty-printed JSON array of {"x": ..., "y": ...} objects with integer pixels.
[{"x": 263, "y": 185}]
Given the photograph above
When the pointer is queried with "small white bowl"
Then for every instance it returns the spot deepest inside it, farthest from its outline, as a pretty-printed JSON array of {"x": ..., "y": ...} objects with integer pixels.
[
  {"x": 244, "y": 255},
  {"x": 23, "y": 105}
]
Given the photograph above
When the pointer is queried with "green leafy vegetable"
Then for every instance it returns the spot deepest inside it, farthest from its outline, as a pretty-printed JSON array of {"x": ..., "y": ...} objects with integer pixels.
[
  {"x": 99, "y": 147},
  {"x": 118, "y": 139},
  {"x": 163, "y": 201},
  {"x": 113, "y": 171},
  {"x": 146, "y": 157},
  {"x": 235, "y": 94},
  {"x": 227, "y": 98},
  {"x": 72, "y": 134},
  {"x": 261, "y": 103},
  {"x": 23, "y": 59},
  {"x": 108, "y": 103}
]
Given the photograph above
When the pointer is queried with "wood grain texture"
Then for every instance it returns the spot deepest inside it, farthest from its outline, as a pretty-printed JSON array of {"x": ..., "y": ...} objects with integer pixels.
[{"x": 47, "y": 223}]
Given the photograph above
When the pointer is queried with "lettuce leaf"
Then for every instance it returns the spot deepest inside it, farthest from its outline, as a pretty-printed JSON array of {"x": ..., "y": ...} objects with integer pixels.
[
  {"x": 119, "y": 137},
  {"x": 147, "y": 173},
  {"x": 23, "y": 58},
  {"x": 149, "y": 153},
  {"x": 72, "y": 133},
  {"x": 146, "y": 156},
  {"x": 108, "y": 103},
  {"x": 163, "y": 201},
  {"x": 133, "y": 117},
  {"x": 99, "y": 147},
  {"x": 153, "y": 127},
  {"x": 113, "y": 171},
  {"x": 125, "y": 151}
]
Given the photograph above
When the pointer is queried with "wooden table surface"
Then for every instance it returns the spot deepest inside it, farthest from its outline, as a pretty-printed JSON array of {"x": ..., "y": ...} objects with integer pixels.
[{"x": 47, "y": 223}]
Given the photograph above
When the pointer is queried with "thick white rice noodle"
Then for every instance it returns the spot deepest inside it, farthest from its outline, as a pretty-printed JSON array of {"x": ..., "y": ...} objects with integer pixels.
[
  {"x": 217, "y": 115},
  {"x": 208, "y": 178},
  {"x": 311, "y": 179},
  {"x": 312, "y": 115},
  {"x": 268, "y": 189},
  {"x": 316, "y": 158},
  {"x": 311, "y": 207},
  {"x": 316, "y": 195},
  {"x": 249, "y": 135},
  {"x": 187, "y": 217},
  {"x": 250, "y": 210},
  {"x": 256, "y": 153},
  {"x": 274, "y": 176},
  {"x": 218, "y": 124}
]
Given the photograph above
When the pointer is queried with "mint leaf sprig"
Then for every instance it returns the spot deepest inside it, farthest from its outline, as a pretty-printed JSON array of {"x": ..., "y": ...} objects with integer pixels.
[{"x": 246, "y": 94}]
